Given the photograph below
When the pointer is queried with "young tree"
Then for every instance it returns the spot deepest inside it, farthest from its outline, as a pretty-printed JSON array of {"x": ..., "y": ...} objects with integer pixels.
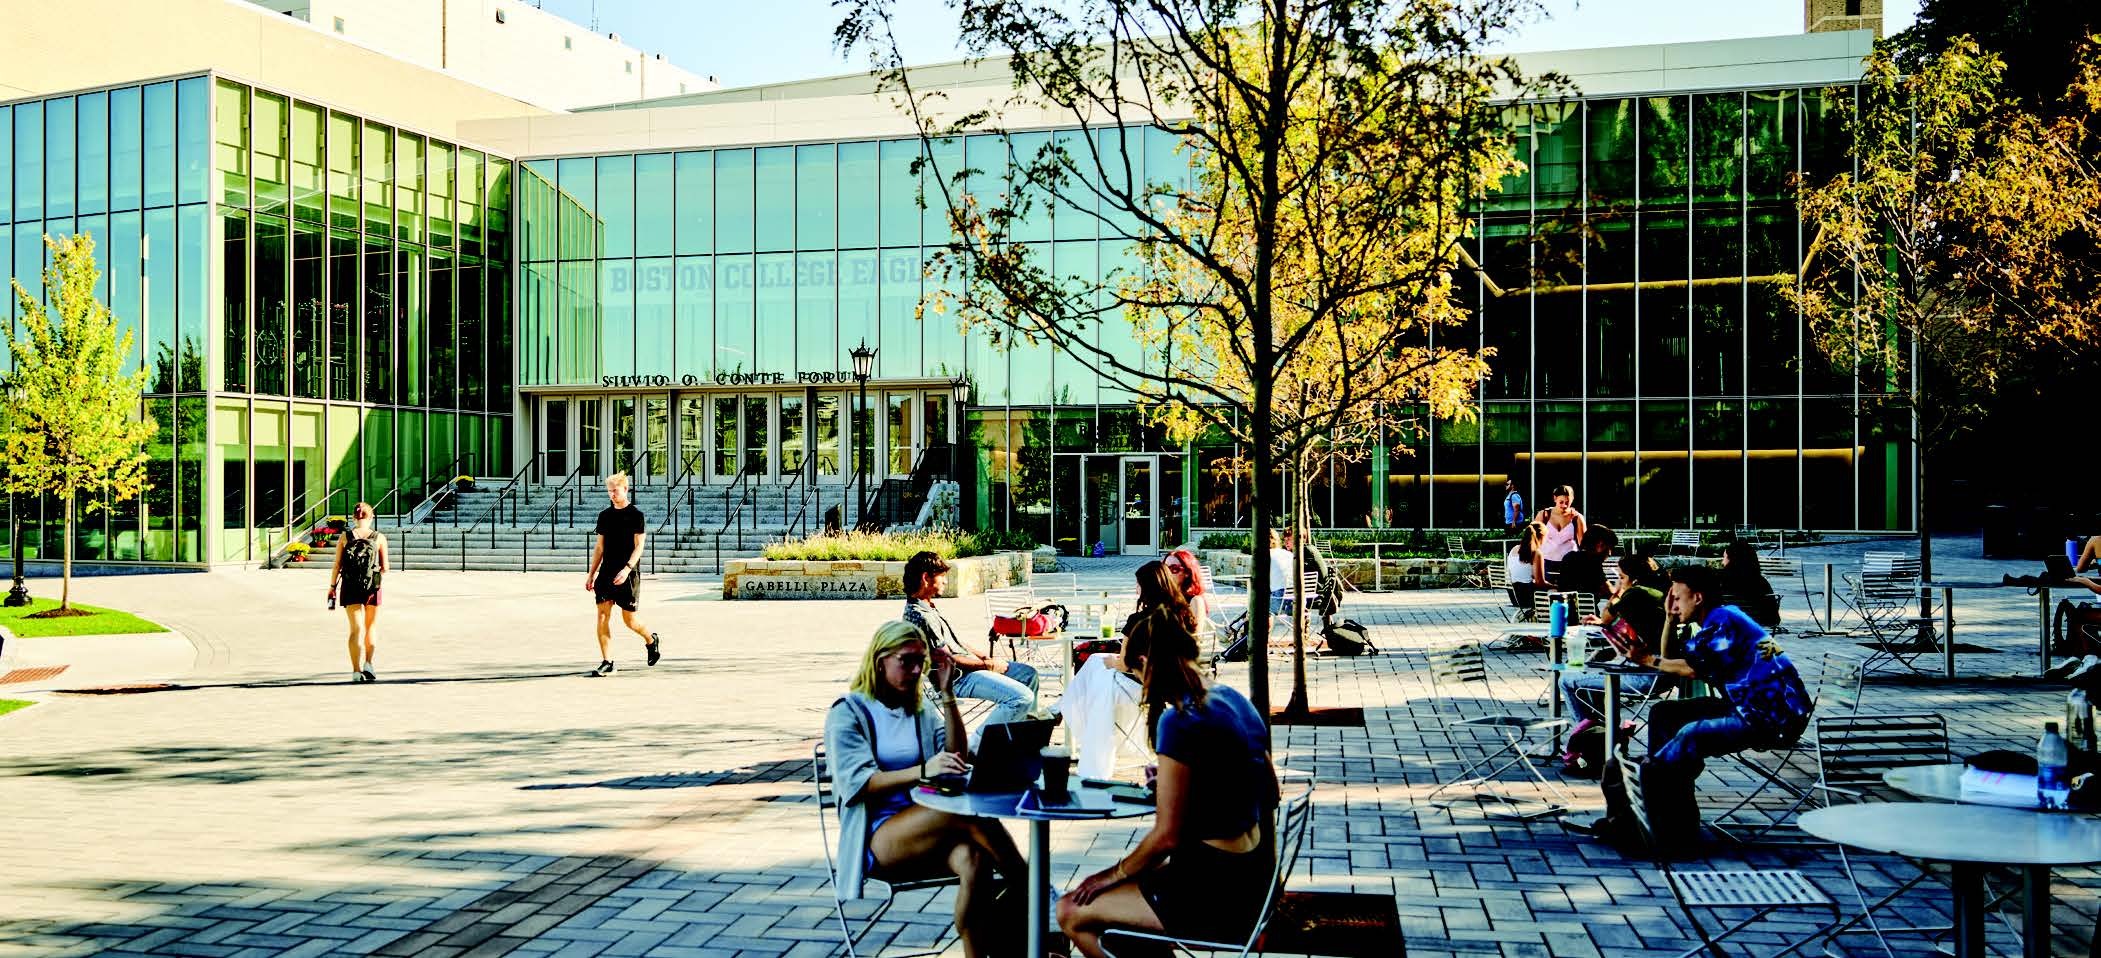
[
  {"x": 1955, "y": 249},
  {"x": 1285, "y": 270},
  {"x": 72, "y": 413}
]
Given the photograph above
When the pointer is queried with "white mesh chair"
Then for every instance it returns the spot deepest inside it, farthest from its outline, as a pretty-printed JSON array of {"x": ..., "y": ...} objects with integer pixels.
[
  {"x": 1462, "y": 668},
  {"x": 1294, "y": 819},
  {"x": 1687, "y": 540},
  {"x": 1760, "y": 891},
  {"x": 1532, "y": 632},
  {"x": 1287, "y": 609},
  {"x": 850, "y": 936}
]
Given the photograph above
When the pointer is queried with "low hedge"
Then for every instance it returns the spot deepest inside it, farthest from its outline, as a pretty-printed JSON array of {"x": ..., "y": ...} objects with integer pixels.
[{"x": 898, "y": 547}]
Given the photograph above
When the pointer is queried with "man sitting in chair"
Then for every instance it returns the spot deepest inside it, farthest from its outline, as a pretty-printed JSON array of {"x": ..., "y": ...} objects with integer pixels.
[
  {"x": 1009, "y": 686},
  {"x": 1763, "y": 704}
]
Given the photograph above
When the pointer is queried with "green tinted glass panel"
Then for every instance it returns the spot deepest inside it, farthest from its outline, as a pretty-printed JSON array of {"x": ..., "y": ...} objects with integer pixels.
[
  {"x": 272, "y": 167},
  {"x": 344, "y": 142},
  {"x": 194, "y": 140},
  {"x": 230, "y": 139},
  {"x": 654, "y": 203},
  {"x": 694, "y": 214},
  {"x": 774, "y": 181},
  {"x": 616, "y": 205},
  {"x": 859, "y": 201},
  {"x": 409, "y": 199},
  {"x": 308, "y": 187},
  {"x": 92, "y": 124},
  {"x": 378, "y": 179},
  {"x": 816, "y": 210},
  {"x": 60, "y": 165}
]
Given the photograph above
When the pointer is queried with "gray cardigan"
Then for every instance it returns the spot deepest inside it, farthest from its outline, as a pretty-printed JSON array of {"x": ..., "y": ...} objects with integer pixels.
[{"x": 850, "y": 748}]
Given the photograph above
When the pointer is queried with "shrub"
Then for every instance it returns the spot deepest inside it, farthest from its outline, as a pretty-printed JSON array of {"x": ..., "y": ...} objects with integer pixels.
[{"x": 897, "y": 547}]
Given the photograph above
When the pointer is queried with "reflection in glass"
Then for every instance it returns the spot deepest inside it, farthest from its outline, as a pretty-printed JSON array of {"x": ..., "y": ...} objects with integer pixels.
[
  {"x": 590, "y": 435},
  {"x": 792, "y": 431},
  {"x": 194, "y": 132},
  {"x": 773, "y": 177},
  {"x": 899, "y": 422},
  {"x": 309, "y": 304},
  {"x": 756, "y": 430},
  {"x": 60, "y": 163},
  {"x": 693, "y": 307},
  {"x": 733, "y": 199},
  {"x": 625, "y": 437},
  {"x": 379, "y": 323},
  {"x": 727, "y": 436},
  {"x": 409, "y": 325},
  {"x": 616, "y": 205},
  {"x": 343, "y": 174},
  {"x": 93, "y": 152},
  {"x": 656, "y": 422},
  {"x": 233, "y": 341},
  {"x": 272, "y": 169},
  {"x": 654, "y": 346},
  {"x": 127, "y": 148},
  {"x": 29, "y": 161},
  {"x": 695, "y": 203},
  {"x": 616, "y": 307},
  {"x": 232, "y": 427},
  {"x": 653, "y": 206},
  {"x": 816, "y": 320},
  {"x": 343, "y": 319},
  {"x": 308, "y": 185},
  {"x": 815, "y": 210},
  {"x": 444, "y": 334},
  {"x": 825, "y": 442}
]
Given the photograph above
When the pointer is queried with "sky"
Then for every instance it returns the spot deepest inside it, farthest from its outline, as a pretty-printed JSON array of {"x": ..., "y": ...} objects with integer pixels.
[{"x": 744, "y": 42}]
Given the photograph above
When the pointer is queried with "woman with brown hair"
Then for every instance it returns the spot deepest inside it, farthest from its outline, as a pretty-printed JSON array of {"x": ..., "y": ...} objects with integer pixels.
[
  {"x": 361, "y": 559},
  {"x": 1204, "y": 870}
]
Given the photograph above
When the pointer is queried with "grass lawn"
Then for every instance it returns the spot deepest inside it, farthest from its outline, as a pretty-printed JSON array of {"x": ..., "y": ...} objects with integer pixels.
[
  {"x": 10, "y": 705},
  {"x": 102, "y": 622}
]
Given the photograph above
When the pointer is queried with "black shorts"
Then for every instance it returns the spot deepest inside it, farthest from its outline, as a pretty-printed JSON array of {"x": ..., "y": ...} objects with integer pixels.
[
  {"x": 1203, "y": 892},
  {"x": 626, "y": 595}
]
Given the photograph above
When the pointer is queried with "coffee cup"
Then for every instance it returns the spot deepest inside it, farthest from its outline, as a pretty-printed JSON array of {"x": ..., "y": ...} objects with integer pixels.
[{"x": 1057, "y": 773}]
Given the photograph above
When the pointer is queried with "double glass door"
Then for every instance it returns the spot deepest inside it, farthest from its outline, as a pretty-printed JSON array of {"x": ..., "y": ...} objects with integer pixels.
[
  {"x": 1120, "y": 509},
  {"x": 595, "y": 436}
]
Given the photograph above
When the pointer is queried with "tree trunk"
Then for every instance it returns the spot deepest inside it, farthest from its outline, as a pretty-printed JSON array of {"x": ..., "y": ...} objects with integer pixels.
[
  {"x": 1300, "y": 521},
  {"x": 1918, "y": 508},
  {"x": 65, "y": 588}
]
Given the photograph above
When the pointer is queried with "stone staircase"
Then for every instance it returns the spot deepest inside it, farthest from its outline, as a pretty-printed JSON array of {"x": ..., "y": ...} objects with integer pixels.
[{"x": 543, "y": 528}]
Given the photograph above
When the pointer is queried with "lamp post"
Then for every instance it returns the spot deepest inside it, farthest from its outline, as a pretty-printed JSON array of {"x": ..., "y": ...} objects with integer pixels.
[
  {"x": 19, "y": 595},
  {"x": 864, "y": 366}
]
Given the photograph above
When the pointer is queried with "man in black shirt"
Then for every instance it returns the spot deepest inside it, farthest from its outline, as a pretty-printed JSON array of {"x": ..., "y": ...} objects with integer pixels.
[{"x": 613, "y": 577}]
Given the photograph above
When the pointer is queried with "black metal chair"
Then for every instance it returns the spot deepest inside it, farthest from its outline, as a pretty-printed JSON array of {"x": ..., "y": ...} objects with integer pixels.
[
  {"x": 1760, "y": 891},
  {"x": 821, "y": 778}
]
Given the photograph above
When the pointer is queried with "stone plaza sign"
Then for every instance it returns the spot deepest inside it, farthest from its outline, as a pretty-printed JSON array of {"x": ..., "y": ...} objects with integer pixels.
[{"x": 807, "y": 587}]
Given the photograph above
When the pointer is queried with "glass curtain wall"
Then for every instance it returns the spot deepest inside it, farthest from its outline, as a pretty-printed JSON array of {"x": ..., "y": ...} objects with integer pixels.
[
  {"x": 261, "y": 249},
  {"x": 1631, "y": 287}
]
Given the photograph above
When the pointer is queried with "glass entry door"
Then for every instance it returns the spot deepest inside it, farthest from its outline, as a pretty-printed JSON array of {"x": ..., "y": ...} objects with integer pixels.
[{"x": 1140, "y": 506}]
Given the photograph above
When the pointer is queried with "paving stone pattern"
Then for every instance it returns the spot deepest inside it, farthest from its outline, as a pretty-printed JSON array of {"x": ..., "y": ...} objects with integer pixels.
[{"x": 486, "y": 798}]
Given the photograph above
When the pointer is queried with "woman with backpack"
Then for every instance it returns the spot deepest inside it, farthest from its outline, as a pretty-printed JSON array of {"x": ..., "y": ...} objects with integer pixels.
[{"x": 361, "y": 559}]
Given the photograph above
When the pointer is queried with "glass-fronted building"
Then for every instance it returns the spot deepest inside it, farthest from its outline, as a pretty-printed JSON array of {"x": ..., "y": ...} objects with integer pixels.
[
  {"x": 320, "y": 300},
  {"x": 334, "y": 307}
]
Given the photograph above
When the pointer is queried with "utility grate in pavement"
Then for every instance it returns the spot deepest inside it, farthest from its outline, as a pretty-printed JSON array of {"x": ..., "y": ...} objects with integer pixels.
[{"x": 31, "y": 675}]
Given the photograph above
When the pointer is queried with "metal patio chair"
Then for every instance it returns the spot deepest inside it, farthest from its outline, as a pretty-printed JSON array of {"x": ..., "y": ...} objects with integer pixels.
[
  {"x": 1294, "y": 819},
  {"x": 1532, "y": 632},
  {"x": 850, "y": 936},
  {"x": 1464, "y": 667},
  {"x": 1761, "y": 891}
]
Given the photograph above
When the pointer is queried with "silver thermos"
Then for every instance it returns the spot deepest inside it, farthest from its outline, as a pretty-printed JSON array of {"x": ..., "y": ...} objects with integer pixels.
[{"x": 2079, "y": 720}]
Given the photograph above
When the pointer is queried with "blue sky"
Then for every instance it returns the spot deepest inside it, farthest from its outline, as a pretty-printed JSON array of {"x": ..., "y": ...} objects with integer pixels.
[{"x": 742, "y": 42}]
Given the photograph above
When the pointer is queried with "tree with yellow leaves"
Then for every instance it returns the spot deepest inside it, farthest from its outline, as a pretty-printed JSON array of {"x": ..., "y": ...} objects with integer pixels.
[
  {"x": 71, "y": 413},
  {"x": 1965, "y": 246},
  {"x": 1280, "y": 277}
]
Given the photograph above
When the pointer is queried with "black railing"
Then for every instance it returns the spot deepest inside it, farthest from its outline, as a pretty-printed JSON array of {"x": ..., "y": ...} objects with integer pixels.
[
  {"x": 733, "y": 515},
  {"x": 514, "y": 490},
  {"x": 675, "y": 508},
  {"x": 572, "y": 486}
]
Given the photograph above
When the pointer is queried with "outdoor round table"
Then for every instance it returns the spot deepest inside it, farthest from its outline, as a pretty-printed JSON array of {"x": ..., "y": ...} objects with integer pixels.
[
  {"x": 1613, "y": 672},
  {"x": 1943, "y": 783},
  {"x": 1971, "y": 838},
  {"x": 1006, "y": 805}
]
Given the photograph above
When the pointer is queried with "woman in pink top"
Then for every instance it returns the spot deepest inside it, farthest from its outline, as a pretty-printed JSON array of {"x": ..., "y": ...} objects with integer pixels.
[{"x": 1565, "y": 527}]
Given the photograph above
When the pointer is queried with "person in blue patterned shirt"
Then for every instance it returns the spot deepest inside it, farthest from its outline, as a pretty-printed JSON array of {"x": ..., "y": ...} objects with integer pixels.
[{"x": 1763, "y": 704}]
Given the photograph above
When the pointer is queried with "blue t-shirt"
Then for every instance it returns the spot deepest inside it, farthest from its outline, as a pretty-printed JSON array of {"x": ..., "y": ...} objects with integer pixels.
[
  {"x": 1513, "y": 509},
  {"x": 1223, "y": 742},
  {"x": 1767, "y": 693}
]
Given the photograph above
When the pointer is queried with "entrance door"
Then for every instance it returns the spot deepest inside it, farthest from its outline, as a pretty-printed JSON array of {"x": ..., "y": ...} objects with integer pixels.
[
  {"x": 1140, "y": 506},
  {"x": 555, "y": 438}
]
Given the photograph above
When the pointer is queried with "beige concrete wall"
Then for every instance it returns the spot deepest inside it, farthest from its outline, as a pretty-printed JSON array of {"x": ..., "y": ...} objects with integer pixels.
[{"x": 50, "y": 48}]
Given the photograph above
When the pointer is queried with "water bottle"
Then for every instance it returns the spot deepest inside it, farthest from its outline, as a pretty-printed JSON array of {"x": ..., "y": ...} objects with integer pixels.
[
  {"x": 2079, "y": 720},
  {"x": 1557, "y": 625},
  {"x": 2053, "y": 787},
  {"x": 1108, "y": 628}
]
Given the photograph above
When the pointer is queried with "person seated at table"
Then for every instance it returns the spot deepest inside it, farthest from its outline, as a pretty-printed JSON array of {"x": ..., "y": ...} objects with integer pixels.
[
  {"x": 1103, "y": 711},
  {"x": 1281, "y": 566},
  {"x": 1010, "y": 686},
  {"x": 1763, "y": 704},
  {"x": 1519, "y": 563},
  {"x": 2089, "y": 554},
  {"x": 1204, "y": 869},
  {"x": 1631, "y": 622},
  {"x": 1745, "y": 586},
  {"x": 1584, "y": 569},
  {"x": 1188, "y": 574},
  {"x": 880, "y": 739}
]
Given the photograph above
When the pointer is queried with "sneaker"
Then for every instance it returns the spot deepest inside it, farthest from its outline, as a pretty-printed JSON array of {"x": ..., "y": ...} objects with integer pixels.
[
  {"x": 604, "y": 668},
  {"x": 655, "y": 648},
  {"x": 356, "y": 677},
  {"x": 369, "y": 677},
  {"x": 2087, "y": 666},
  {"x": 2064, "y": 669}
]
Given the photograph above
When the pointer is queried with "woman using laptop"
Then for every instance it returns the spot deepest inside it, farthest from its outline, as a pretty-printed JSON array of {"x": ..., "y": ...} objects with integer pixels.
[
  {"x": 882, "y": 737},
  {"x": 1204, "y": 869}
]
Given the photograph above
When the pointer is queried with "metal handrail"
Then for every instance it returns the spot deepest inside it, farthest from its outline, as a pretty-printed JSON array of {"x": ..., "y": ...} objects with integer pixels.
[
  {"x": 302, "y": 523},
  {"x": 733, "y": 515},
  {"x": 672, "y": 508},
  {"x": 525, "y": 539},
  {"x": 513, "y": 490},
  {"x": 433, "y": 488}
]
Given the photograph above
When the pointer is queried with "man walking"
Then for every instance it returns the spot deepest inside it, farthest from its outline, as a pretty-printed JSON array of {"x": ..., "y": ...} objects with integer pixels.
[
  {"x": 613, "y": 579},
  {"x": 1513, "y": 508}
]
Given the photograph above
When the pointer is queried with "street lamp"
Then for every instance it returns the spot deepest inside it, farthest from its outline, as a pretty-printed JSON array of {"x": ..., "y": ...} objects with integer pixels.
[
  {"x": 864, "y": 366},
  {"x": 19, "y": 595}
]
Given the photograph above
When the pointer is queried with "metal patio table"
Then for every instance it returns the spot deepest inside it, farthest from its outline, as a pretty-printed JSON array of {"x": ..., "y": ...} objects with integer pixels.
[
  {"x": 1971, "y": 838},
  {"x": 1948, "y": 587},
  {"x": 1006, "y": 806}
]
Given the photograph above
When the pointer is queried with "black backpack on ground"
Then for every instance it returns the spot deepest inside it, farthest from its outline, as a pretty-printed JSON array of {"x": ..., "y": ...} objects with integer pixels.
[
  {"x": 1349, "y": 637},
  {"x": 361, "y": 565}
]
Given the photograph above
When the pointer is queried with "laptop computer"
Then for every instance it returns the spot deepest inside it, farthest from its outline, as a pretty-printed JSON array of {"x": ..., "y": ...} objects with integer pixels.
[
  {"x": 2057, "y": 569},
  {"x": 1008, "y": 759}
]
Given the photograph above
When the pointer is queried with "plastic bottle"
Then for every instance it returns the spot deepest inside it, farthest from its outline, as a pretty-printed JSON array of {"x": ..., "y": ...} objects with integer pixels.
[
  {"x": 2053, "y": 787},
  {"x": 2079, "y": 720},
  {"x": 1557, "y": 625},
  {"x": 1108, "y": 627}
]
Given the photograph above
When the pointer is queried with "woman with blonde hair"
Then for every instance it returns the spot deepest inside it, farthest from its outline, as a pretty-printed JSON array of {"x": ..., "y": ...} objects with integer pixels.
[
  {"x": 880, "y": 739},
  {"x": 361, "y": 559}
]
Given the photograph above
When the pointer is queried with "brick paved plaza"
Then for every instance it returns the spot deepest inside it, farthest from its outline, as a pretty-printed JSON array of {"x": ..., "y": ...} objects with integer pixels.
[{"x": 486, "y": 798}]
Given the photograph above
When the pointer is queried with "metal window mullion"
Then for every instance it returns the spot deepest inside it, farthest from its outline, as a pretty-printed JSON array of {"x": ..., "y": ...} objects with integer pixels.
[{"x": 1743, "y": 314}]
